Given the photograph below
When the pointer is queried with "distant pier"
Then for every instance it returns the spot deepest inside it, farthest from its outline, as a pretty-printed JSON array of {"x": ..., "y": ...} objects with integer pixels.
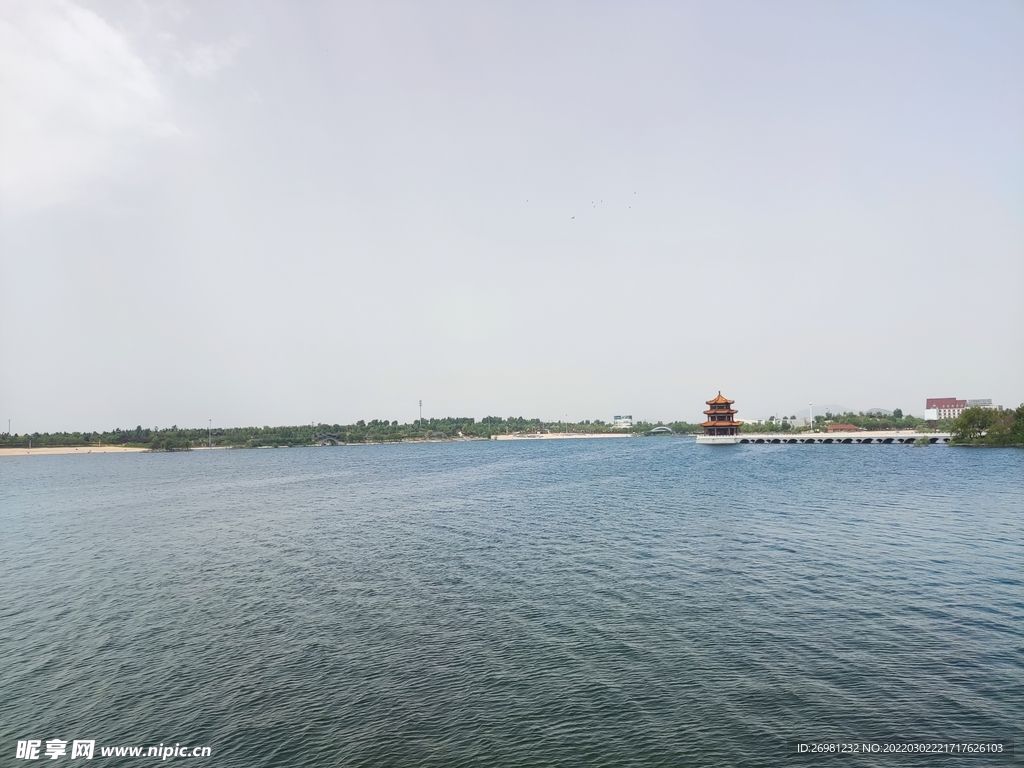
[{"x": 887, "y": 437}]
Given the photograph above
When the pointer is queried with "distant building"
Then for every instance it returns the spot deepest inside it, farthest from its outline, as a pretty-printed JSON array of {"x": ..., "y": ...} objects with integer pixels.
[
  {"x": 622, "y": 422},
  {"x": 986, "y": 403},
  {"x": 936, "y": 408},
  {"x": 721, "y": 417},
  {"x": 842, "y": 428}
]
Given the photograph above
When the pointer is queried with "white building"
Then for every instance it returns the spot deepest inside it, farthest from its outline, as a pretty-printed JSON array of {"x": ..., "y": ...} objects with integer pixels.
[
  {"x": 986, "y": 403},
  {"x": 622, "y": 422},
  {"x": 936, "y": 408}
]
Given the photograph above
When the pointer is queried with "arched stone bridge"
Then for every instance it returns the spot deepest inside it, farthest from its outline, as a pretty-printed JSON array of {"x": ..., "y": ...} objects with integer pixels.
[
  {"x": 842, "y": 439},
  {"x": 837, "y": 438}
]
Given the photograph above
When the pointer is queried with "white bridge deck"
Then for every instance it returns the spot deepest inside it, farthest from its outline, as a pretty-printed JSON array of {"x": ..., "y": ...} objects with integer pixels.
[{"x": 897, "y": 437}]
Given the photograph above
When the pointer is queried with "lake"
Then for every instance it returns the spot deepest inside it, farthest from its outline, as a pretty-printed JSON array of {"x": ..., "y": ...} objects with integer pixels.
[{"x": 558, "y": 603}]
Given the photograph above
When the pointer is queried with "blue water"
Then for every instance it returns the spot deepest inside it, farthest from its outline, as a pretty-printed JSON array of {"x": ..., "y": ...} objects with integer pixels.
[{"x": 557, "y": 603}]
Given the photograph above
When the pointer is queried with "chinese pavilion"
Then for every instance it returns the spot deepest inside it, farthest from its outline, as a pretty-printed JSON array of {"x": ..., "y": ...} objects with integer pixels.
[{"x": 721, "y": 417}]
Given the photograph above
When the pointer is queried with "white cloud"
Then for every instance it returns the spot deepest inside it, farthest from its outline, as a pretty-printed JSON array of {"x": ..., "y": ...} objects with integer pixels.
[
  {"x": 76, "y": 101},
  {"x": 207, "y": 60}
]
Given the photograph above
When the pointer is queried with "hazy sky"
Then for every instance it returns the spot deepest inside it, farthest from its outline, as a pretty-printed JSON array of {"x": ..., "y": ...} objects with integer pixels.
[{"x": 269, "y": 213}]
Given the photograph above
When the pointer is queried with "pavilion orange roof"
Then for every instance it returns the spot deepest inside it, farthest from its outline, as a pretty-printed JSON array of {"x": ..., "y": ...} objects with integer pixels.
[{"x": 719, "y": 400}]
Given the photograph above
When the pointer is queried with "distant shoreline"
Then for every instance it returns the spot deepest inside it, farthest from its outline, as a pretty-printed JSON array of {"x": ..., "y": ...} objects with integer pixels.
[
  {"x": 63, "y": 450},
  {"x": 561, "y": 435}
]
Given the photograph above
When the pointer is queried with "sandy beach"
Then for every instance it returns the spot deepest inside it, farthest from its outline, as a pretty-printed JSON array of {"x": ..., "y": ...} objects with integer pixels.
[
  {"x": 560, "y": 435},
  {"x": 59, "y": 450}
]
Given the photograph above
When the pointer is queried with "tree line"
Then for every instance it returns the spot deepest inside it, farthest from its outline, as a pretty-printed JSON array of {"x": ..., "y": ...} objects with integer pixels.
[{"x": 374, "y": 431}]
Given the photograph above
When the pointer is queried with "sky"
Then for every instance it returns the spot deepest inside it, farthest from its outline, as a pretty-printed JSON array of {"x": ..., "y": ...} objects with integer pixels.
[{"x": 280, "y": 213}]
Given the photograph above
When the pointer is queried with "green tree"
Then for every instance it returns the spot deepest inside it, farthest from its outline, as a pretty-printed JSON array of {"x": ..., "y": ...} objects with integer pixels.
[
  {"x": 1017, "y": 430},
  {"x": 972, "y": 424}
]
